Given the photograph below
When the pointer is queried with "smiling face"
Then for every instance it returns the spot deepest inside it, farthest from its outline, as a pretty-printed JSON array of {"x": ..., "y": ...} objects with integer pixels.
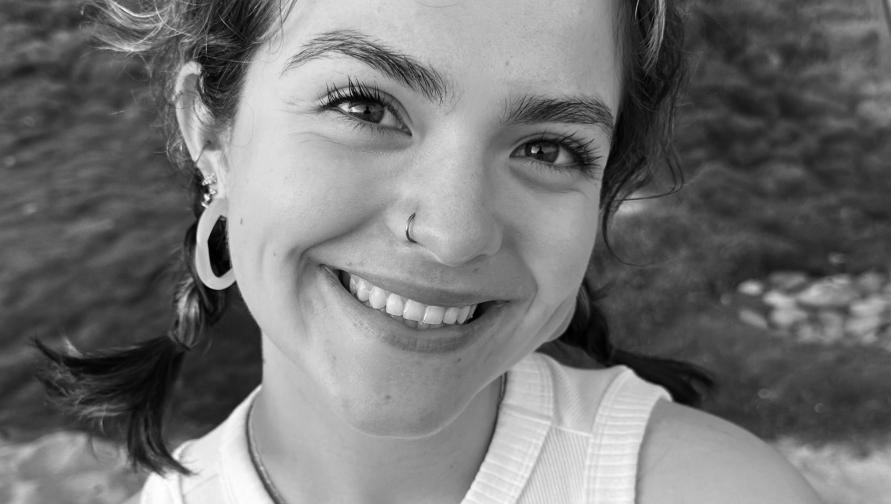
[{"x": 490, "y": 122}]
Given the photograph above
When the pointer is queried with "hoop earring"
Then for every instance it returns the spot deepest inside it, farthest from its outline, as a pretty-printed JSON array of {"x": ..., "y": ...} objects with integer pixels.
[{"x": 216, "y": 209}]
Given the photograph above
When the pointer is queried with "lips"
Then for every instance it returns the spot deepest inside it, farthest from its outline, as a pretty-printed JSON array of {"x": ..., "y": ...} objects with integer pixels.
[{"x": 411, "y": 312}]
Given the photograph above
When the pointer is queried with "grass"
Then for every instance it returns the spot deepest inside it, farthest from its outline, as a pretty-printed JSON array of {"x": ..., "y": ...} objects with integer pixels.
[{"x": 783, "y": 137}]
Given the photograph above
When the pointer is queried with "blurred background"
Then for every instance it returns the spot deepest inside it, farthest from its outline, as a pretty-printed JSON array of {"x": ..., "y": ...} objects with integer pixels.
[{"x": 770, "y": 268}]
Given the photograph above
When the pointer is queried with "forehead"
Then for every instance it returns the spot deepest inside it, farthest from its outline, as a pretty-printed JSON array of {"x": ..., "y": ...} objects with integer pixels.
[{"x": 558, "y": 47}]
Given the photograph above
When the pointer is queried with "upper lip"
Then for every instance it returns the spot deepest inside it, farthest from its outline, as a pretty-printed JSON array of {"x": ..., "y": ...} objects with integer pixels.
[{"x": 427, "y": 293}]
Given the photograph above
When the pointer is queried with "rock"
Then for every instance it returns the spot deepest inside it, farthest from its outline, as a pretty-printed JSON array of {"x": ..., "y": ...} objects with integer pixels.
[
  {"x": 840, "y": 308},
  {"x": 837, "y": 258},
  {"x": 753, "y": 318},
  {"x": 842, "y": 279},
  {"x": 751, "y": 288},
  {"x": 787, "y": 280},
  {"x": 828, "y": 328},
  {"x": 829, "y": 293},
  {"x": 833, "y": 325},
  {"x": 809, "y": 332},
  {"x": 872, "y": 306},
  {"x": 779, "y": 300},
  {"x": 871, "y": 282},
  {"x": 786, "y": 317},
  {"x": 842, "y": 473},
  {"x": 863, "y": 330},
  {"x": 99, "y": 487},
  {"x": 65, "y": 468},
  {"x": 62, "y": 453}
]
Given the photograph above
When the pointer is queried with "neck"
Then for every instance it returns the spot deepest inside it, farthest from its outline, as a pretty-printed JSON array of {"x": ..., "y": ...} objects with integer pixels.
[{"x": 312, "y": 455}]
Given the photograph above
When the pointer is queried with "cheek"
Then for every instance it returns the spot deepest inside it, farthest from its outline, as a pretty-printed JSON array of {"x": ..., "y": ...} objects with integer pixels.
[
  {"x": 564, "y": 232},
  {"x": 289, "y": 191}
]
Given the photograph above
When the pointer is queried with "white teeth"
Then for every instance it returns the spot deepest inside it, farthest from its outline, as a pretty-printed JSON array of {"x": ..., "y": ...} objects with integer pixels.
[
  {"x": 412, "y": 313},
  {"x": 362, "y": 290},
  {"x": 395, "y": 305},
  {"x": 462, "y": 315},
  {"x": 413, "y": 310},
  {"x": 377, "y": 298},
  {"x": 433, "y": 315},
  {"x": 451, "y": 315}
]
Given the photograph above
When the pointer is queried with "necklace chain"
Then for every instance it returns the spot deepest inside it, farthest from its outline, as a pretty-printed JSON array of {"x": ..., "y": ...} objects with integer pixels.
[
  {"x": 270, "y": 487},
  {"x": 273, "y": 492}
]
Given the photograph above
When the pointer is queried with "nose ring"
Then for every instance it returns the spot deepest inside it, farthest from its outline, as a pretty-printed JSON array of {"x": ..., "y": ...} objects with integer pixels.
[{"x": 408, "y": 228}]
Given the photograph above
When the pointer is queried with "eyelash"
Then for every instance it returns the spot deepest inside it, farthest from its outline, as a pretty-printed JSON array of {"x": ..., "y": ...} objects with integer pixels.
[
  {"x": 584, "y": 151},
  {"x": 358, "y": 91}
]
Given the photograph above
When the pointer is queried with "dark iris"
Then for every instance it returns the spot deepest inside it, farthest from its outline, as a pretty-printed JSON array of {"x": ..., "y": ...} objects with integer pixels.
[
  {"x": 366, "y": 111},
  {"x": 547, "y": 152}
]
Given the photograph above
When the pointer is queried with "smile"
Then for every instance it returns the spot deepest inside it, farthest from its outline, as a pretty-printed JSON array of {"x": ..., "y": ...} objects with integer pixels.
[{"x": 412, "y": 313}]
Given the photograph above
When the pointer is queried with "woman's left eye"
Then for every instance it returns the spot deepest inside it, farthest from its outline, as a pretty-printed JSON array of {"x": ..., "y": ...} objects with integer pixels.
[{"x": 546, "y": 151}]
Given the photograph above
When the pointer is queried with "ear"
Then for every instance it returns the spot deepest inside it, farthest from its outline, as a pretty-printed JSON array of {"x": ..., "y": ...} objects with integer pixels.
[{"x": 203, "y": 138}]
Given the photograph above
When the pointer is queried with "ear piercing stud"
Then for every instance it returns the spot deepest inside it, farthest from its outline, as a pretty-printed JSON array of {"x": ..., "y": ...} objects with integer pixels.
[{"x": 208, "y": 182}]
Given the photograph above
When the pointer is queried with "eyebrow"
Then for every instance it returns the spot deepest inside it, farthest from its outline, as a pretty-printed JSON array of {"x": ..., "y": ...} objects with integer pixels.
[
  {"x": 430, "y": 83},
  {"x": 397, "y": 66},
  {"x": 584, "y": 110}
]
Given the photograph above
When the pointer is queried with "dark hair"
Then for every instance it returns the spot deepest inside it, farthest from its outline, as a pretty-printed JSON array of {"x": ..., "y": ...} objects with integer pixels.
[
  {"x": 132, "y": 385},
  {"x": 652, "y": 46}
]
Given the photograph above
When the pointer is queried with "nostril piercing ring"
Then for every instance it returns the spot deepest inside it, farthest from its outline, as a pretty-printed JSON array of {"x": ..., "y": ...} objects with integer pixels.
[{"x": 408, "y": 228}]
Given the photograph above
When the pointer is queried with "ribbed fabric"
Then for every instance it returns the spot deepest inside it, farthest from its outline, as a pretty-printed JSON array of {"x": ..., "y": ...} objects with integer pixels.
[
  {"x": 524, "y": 420},
  {"x": 563, "y": 435},
  {"x": 617, "y": 435}
]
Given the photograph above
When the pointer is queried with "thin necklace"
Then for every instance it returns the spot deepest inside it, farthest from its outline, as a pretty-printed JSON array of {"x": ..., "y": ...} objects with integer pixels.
[{"x": 273, "y": 492}]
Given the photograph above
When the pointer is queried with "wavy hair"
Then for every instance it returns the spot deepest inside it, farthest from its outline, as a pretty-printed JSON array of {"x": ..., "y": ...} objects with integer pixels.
[{"x": 131, "y": 386}]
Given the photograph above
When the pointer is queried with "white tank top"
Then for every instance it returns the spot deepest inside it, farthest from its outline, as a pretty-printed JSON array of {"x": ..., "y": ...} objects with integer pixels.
[{"x": 563, "y": 435}]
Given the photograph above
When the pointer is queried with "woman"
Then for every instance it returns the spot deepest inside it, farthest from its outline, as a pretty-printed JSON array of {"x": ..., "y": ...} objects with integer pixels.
[{"x": 407, "y": 195}]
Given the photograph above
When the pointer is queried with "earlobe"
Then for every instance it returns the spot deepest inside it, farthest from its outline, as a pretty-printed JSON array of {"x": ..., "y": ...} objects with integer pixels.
[{"x": 196, "y": 125}]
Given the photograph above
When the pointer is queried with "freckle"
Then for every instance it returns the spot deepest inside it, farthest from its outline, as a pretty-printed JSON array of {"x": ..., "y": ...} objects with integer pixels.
[
  {"x": 241, "y": 220},
  {"x": 388, "y": 397}
]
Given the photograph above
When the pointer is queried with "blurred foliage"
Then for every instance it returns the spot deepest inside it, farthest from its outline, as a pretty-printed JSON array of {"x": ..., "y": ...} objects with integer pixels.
[{"x": 783, "y": 137}]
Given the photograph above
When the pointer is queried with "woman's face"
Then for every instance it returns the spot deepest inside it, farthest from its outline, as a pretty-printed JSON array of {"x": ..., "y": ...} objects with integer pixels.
[{"x": 488, "y": 120}]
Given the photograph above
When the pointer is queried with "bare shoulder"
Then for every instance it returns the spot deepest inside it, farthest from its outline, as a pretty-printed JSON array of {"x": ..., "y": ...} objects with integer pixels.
[
  {"x": 134, "y": 499},
  {"x": 690, "y": 456}
]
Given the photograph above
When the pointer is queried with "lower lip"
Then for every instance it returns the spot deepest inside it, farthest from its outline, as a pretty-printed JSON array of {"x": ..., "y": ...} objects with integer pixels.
[{"x": 379, "y": 325}]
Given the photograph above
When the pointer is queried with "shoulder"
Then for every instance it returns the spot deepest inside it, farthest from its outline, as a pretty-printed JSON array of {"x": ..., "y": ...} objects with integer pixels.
[
  {"x": 133, "y": 499},
  {"x": 690, "y": 456}
]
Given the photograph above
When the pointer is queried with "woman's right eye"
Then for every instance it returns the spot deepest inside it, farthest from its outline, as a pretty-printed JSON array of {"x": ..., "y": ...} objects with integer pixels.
[
  {"x": 365, "y": 106},
  {"x": 369, "y": 111},
  {"x": 366, "y": 111}
]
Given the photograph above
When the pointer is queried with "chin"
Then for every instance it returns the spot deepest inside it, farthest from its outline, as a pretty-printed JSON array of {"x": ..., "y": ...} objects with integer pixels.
[{"x": 413, "y": 420}]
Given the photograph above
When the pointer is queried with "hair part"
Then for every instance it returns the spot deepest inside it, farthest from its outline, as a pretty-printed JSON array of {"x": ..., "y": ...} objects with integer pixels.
[{"x": 131, "y": 386}]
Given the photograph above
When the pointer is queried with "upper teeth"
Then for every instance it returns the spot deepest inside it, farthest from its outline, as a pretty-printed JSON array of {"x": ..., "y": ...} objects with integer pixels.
[{"x": 409, "y": 309}]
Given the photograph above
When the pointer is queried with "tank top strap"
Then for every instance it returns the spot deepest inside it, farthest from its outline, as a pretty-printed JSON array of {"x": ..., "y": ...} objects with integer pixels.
[{"x": 618, "y": 432}]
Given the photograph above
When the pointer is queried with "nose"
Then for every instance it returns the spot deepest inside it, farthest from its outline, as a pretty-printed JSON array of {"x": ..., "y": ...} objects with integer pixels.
[{"x": 453, "y": 203}]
